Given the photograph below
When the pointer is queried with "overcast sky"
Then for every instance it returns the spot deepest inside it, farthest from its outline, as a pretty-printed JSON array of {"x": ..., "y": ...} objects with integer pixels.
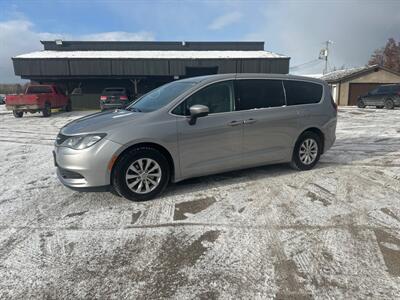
[{"x": 294, "y": 28}]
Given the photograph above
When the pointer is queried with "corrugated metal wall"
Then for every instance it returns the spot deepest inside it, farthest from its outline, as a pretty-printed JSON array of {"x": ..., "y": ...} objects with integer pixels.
[
  {"x": 93, "y": 75},
  {"x": 142, "y": 67}
]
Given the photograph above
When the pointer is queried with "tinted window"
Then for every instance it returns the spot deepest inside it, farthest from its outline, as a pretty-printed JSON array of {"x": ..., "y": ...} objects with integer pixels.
[
  {"x": 374, "y": 91},
  {"x": 260, "y": 93},
  {"x": 217, "y": 97},
  {"x": 384, "y": 89},
  {"x": 114, "y": 91},
  {"x": 160, "y": 96},
  {"x": 39, "y": 90},
  {"x": 301, "y": 92}
]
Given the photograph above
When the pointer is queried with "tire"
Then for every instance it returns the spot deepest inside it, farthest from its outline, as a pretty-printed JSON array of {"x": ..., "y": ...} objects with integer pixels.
[
  {"x": 389, "y": 104},
  {"x": 18, "y": 114},
  {"x": 360, "y": 104},
  {"x": 299, "y": 161},
  {"x": 47, "y": 110},
  {"x": 149, "y": 158},
  {"x": 379, "y": 106},
  {"x": 68, "y": 107}
]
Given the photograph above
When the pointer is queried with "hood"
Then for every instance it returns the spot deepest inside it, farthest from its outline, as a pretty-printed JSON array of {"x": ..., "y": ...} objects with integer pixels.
[{"x": 100, "y": 122}]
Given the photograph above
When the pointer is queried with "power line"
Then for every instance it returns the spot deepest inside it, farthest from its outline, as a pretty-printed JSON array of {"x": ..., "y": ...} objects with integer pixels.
[{"x": 303, "y": 65}]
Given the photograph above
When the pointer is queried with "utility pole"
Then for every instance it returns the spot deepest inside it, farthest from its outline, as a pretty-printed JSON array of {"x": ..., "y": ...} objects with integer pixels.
[{"x": 324, "y": 54}]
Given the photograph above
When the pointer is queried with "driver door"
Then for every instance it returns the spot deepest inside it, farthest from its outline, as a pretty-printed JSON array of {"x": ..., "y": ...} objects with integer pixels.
[{"x": 214, "y": 143}]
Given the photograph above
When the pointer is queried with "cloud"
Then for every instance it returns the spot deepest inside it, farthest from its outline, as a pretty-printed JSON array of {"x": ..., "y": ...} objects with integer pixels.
[
  {"x": 225, "y": 20},
  {"x": 118, "y": 36},
  {"x": 299, "y": 29},
  {"x": 19, "y": 36}
]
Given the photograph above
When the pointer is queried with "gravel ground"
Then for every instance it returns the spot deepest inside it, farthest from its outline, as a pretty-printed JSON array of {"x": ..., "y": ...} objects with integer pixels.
[{"x": 269, "y": 232}]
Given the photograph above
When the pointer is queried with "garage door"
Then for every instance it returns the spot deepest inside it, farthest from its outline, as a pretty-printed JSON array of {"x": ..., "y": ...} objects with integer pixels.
[{"x": 358, "y": 89}]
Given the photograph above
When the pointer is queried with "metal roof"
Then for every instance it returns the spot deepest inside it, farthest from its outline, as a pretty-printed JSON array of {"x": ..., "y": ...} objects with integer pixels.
[
  {"x": 60, "y": 45},
  {"x": 140, "y": 59},
  {"x": 346, "y": 74},
  {"x": 152, "y": 54}
]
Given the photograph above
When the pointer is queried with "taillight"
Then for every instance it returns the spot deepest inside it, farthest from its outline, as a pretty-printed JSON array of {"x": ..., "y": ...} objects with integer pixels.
[
  {"x": 123, "y": 98},
  {"x": 334, "y": 104},
  {"x": 103, "y": 98}
]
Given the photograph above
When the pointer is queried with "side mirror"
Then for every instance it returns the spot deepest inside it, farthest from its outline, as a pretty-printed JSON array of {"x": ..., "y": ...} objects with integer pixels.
[{"x": 197, "y": 111}]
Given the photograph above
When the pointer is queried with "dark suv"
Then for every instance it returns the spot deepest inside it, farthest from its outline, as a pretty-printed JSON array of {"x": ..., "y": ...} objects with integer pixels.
[
  {"x": 114, "y": 97},
  {"x": 387, "y": 96}
]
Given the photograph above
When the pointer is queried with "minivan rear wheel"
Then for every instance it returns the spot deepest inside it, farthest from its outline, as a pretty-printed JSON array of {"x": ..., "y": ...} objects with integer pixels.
[
  {"x": 307, "y": 151},
  {"x": 141, "y": 174}
]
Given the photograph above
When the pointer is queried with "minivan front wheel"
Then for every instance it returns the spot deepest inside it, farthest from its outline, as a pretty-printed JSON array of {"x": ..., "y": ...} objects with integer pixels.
[
  {"x": 141, "y": 174},
  {"x": 307, "y": 151}
]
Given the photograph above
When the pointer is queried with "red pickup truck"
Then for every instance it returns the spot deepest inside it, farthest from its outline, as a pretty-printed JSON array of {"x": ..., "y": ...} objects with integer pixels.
[{"x": 38, "y": 98}]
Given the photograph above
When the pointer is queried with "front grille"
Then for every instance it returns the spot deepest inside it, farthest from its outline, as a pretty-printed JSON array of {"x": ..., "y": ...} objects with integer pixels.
[
  {"x": 66, "y": 174},
  {"x": 61, "y": 138}
]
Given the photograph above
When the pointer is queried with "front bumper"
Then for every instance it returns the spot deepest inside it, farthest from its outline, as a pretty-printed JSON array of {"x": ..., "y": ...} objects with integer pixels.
[{"x": 91, "y": 164}]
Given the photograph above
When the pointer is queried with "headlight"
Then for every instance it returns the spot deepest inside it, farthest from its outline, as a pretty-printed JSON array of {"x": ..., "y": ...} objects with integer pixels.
[{"x": 80, "y": 142}]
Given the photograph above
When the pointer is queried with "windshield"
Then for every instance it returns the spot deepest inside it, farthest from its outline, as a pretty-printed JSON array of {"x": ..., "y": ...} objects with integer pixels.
[{"x": 160, "y": 96}]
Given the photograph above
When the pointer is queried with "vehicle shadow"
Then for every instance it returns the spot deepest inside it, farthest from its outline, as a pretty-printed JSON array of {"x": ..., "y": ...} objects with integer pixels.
[
  {"x": 239, "y": 177},
  {"x": 360, "y": 150}
]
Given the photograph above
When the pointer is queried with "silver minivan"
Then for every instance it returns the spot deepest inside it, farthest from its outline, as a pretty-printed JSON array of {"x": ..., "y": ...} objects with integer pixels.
[{"x": 196, "y": 127}]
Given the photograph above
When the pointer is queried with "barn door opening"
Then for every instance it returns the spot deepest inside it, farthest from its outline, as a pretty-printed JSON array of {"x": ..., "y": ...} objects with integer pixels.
[{"x": 200, "y": 71}]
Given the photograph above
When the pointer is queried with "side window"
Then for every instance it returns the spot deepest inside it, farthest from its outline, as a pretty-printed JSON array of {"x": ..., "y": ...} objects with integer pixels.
[
  {"x": 260, "y": 93},
  {"x": 301, "y": 92},
  {"x": 374, "y": 91},
  {"x": 384, "y": 90},
  {"x": 217, "y": 97}
]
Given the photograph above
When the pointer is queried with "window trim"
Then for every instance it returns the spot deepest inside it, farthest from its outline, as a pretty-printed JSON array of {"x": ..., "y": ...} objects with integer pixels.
[
  {"x": 237, "y": 103},
  {"x": 288, "y": 79},
  {"x": 203, "y": 87}
]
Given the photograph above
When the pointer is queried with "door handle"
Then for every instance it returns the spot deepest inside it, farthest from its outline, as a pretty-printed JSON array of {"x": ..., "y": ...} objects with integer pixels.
[
  {"x": 249, "y": 121},
  {"x": 234, "y": 123}
]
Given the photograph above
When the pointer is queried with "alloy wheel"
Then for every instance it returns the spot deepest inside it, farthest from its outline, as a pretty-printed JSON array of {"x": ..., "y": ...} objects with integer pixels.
[
  {"x": 308, "y": 151},
  {"x": 143, "y": 175}
]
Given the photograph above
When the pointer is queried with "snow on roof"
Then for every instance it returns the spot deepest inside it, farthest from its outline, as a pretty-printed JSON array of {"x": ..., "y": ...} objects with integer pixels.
[
  {"x": 340, "y": 74},
  {"x": 152, "y": 54},
  {"x": 313, "y": 75}
]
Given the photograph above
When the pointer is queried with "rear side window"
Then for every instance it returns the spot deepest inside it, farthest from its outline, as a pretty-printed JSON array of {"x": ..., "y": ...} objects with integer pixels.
[
  {"x": 260, "y": 93},
  {"x": 217, "y": 97},
  {"x": 39, "y": 90},
  {"x": 301, "y": 92},
  {"x": 385, "y": 89}
]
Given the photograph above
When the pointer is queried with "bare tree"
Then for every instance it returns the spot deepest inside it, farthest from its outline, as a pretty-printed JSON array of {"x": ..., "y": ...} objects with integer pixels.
[{"x": 388, "y": 56}]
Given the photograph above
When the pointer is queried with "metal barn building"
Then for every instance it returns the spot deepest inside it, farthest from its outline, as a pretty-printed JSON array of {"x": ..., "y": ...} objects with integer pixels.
[{"x": 84, "y": 68}]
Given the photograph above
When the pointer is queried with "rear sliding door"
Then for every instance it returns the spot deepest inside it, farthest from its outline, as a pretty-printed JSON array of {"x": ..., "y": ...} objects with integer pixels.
[{"x": 269, "y": 126}]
